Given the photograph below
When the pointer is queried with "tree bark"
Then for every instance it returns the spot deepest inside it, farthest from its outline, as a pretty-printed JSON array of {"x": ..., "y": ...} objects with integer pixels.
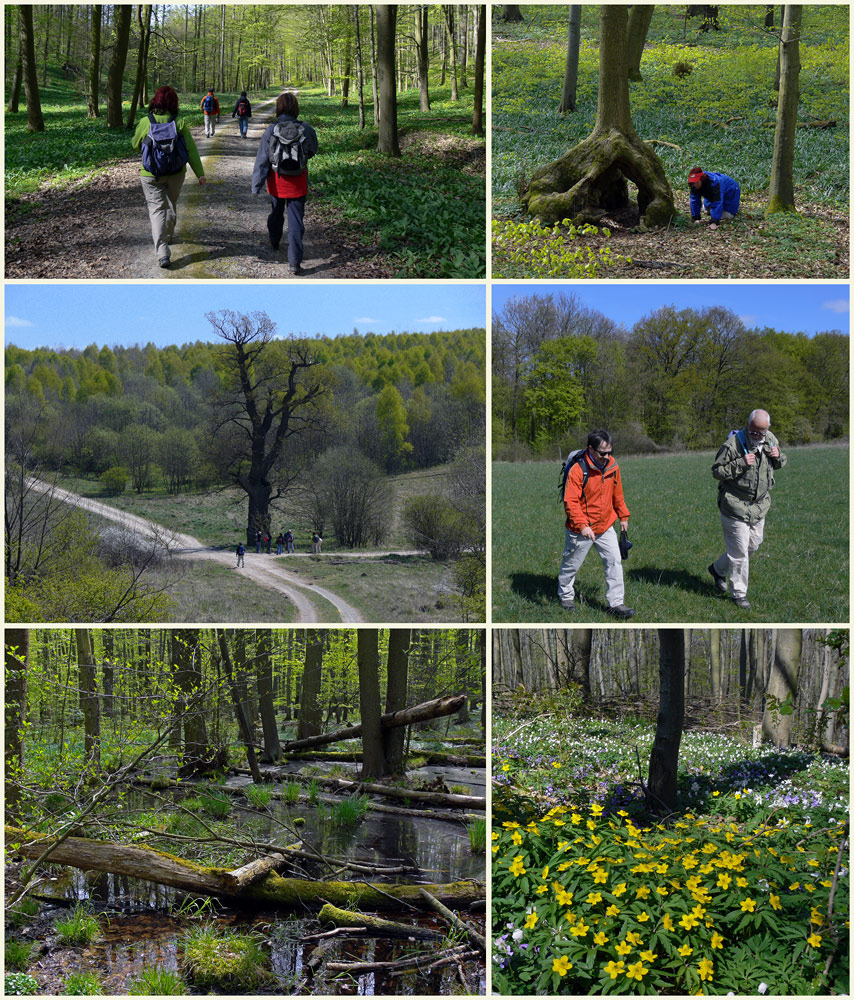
[
  {"x": 434, "y": 757},
  {"x": 395, "y": 699},
  {"x": 418, "y": 713},
  {"x": 454, "y": 920},
  {"x": 511, "y": 12},
  {"x": 89, "y": 702},
  {"x": 452, "y": 43},
  {"x": 309, "y": 708},
  {"x": 386, "y": 24},
  {"x": 591, "y": 180},
  {"x": 582, "y": 642},
  {"x": 17, "y": 659},
  {"x": 479, "y": 69},
  {"x": 664, "y": 758},
  {"x": 782, "y": 688},
  {"x": 422, "y": 52},
  {"x": 781, "y": 192},
  {"x": 272, "y": 890},
  {"x": 334, "y": 915},
  {"x": 35, "y": 121},
  {"x": 143, "y": 20},
  {"x": 359, "y": 69},
  {"x": 715, "y": 665},
  {"x": 272, "y": 747},
  {"x": 639, "y": 22},
  {"x": 570, "y": 73},
  {"x": 239, "y": 709},
  {"x": 121, "y": 19},
  {"x": 186, "y": 652},
  {"x": 373, "y": 759},
  {"x": 448, "y": 800}
]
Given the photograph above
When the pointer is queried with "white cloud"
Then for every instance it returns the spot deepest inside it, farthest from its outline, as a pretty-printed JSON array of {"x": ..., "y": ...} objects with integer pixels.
[
  {"x": 432, "y": 319},
  {"x": 837, "y": 305},
  {"x": 17, "y": 321},
  {"x": 364, "y": 319},
  {"x": 748, "y": 319}
]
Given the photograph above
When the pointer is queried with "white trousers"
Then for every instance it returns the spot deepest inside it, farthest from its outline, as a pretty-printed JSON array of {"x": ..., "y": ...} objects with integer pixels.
[
  {"x": 575, "y": 549},
  {"x": 210, "y": 124},
  {"x": 741, "y": 540}
]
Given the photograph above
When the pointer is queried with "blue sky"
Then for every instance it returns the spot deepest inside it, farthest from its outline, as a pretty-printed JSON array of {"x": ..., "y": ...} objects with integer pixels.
[
  {"x": 52, "y": 315},
  {"x": 790, "y": 308}
]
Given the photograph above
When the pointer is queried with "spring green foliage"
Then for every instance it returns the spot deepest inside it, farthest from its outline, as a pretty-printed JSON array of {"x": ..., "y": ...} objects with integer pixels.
[
  {"x": 258, "y": 796},
  {"x": 157, "y": 982},
  {"x": 20, "y": 984},
  {"x": 79, "y": 927},
  {"x": 21, "y": 912},
  {"x": 291, "y": 792},
  {"x": 220, "y": 959},
  {"x": 17, "y": 955},
  {"x": 215, "y": 803},
  {"x": 532, "y": 250},
  {"x": 347, "y": 812},
  {"x": 675, "y": 528},
  {"x": 477, "y": 836},
  {"x": 594, "y": 896},
  {"x": 82, "y": 984}
]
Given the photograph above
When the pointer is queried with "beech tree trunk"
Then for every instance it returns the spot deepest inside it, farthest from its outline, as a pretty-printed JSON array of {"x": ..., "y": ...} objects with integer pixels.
[
  {"x": 582, "y": 640},
  {"x": 386, "y": 83},
  {"x": 89, "y": 702},
  {"x": 239, "y": 709},
  {"x": 373, "y": 759},
  {"x": 422, "y": 53},
  {"x": 309, "y": 707},
  {"x": 121, "y": 18},
  {"x": 395, "y": 698},
  {"x": 782, "y": 687},
  {"x": 570, "y": 73},
  {"x": 639, "y": 22},
  {"x": 591, "y": 180},
  {"x": 511, "y": 12},
  {"x": 479, "y": 64},
  {"x": 271, "y": 890},
  {"x": 781, "y": 192},
  {"x": 418, "y": 713},
  {"x": 664, "y": 758},
  {"x": 264, "y": 672},
  {"x": 35, "y": 121},
  {"x": 715, "y": 665},
  {"x": 17, "y": 658}
]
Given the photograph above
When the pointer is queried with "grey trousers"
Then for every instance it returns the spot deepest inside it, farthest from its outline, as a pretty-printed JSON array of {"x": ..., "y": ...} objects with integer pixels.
[
  {"x": 741, "y": 540},
  {"x": 161, "y": 196},
  {"x": 575, "y": 549}
]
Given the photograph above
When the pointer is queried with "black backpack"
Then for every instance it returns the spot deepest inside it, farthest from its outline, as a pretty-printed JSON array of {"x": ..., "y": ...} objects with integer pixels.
[
  {"x": 571, "y": 459},
  {"x": 288, "y": 149},
  {"x": 163, "y": 149}
]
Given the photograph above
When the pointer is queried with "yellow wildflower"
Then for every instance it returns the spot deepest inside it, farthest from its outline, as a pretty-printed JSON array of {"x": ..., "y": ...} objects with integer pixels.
[
  {"x": 643, "y": 916},
  {"x": 642, "y": 892},
  {"x": 615, "y": 969},
  {"x": 636, "y": 971},
  {"x": 594, "y": 897},
  {"x": 619, "y": 889},
  {"x": 748, "y": 905},
  {"x": 775, "y": 901},
  {"x": 612, "y": 910},
  {"x": 623, "y": 948},
  {"x": 516, "y": 838},
  {"x": 814, "y": 940},
  {"x": 600, "y": 938},
  {"x": 706, "y": 968},
  {"x": 667, "y": 920},
  {"x": 634, "y": 938},
  {"x": 686, "y": 950},
  {"x": 561, "y": 965},
  {"x": 517, "y": 868},
  {"x": 648, "y": 955},
  {"x": 580, "y": 929},
  {"x": 717, "y": 940},
  {"x": 531, "y": 920}
]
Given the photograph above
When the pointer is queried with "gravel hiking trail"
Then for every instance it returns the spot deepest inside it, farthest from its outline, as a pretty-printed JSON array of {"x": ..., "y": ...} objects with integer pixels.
[
  {"x": 102, "y": 226},
  {"x": 187, "y": 547}
]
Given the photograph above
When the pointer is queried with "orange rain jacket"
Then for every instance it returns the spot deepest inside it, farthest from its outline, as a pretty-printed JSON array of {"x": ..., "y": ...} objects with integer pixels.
[{"x": 601, "y": 503}]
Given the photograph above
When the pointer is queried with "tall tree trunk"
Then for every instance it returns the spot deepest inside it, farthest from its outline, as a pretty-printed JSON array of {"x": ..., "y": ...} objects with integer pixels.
[
  {"x": 143, "y": 20},
  {"x": 359, "y": 67},
  {"x": 782, "y": 692},
  {"x": 121, "y": 19},
  {"x": 272, "y": 748},
  {"x": 312, "y": 674},
  {"x": 89, "y": 702},
  {"x": 511, "y": 12},
  {"x": 373, "y": 760},
  {"x": 109, "y": 673},
  {"x": 35, "y": 121},
  {"x": 186, "y": 655},
  {"x": 94, "y": 62},
  {"x": 570, "y": 73},
  {"x": 715, "y": 665},
  {"x": 15, "y": 90},
  {"x": 781, "y": 192},
  {"x": 582, "y": 641},
  {"x": 639, "y": 22},
  {"x": 386, "y": 25},
  {"x": 664, "y": 758},
  {"x": 17, "y": 659},
  {"x": 239, "y": 709},
  {"x": 422, "y": 51},
  {"x": 452, "y": 42},
  {"x": 479, "y": 64},
  {"x": 395, "y": 696}
]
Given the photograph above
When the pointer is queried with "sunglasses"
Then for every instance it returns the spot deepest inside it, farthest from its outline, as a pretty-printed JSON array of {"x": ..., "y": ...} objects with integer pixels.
[{"x": 604, "y": 454}]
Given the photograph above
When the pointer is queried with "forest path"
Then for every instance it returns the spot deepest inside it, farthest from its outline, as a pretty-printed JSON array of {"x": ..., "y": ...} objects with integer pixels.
[{"x": 188, "y": 547}]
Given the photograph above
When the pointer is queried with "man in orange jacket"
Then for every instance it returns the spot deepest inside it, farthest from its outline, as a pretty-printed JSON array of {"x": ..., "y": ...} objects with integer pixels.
[{"x": 593, "y": 500}]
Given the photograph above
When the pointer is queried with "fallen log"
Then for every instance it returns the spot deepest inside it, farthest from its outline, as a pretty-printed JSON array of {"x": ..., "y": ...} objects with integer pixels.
[
  {"x": 430, "y": 756},
  {"x": 405, "y": 717},
  {"x": 330, "y": 914},
  {"x": 243, "y": 877},
  {"x": 271, "y": 890},
  {"x": 403, "y": 964},
  {"x": 447, "y": 799},
  {"x": 454, "y": 920}
]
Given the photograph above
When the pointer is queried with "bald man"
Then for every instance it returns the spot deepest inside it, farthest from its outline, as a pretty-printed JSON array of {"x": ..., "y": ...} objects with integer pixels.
[{"x": 744, "y": 468}]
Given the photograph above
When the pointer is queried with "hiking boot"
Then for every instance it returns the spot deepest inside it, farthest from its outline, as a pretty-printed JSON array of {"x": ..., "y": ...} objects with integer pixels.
[
  {"x": 164, "y": 262},
  {"x": 621, "y": 611},
  {"x": 296, "y": 270},
  {"x": 568, "y": 605},
  {"x": 741, "y": 602},
  {"x": 720, "y": 581}
]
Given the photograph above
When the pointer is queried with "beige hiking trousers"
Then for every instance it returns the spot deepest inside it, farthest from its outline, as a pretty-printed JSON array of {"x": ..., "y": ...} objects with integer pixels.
[
  {"x": 741, "y": 540},
  {"x": 575, "y": 550},
  {"x": 161, "y": 196}
]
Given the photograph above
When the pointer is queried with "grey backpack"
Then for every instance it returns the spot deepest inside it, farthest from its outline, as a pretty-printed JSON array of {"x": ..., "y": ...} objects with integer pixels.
[{"x": 288, "y": 149}]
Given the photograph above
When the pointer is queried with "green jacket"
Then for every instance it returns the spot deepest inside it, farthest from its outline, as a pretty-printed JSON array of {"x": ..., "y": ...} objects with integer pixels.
[
  {"x": 183, "y": 129},
  {"x": 744, "y": 490}
]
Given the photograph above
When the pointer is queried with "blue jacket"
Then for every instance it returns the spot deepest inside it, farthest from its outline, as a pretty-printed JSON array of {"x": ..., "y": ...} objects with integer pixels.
[{"x": 720, "y": 194}]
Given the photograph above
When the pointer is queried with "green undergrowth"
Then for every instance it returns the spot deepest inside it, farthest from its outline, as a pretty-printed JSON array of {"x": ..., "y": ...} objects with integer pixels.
[
  {"x": 158, "y": 982},
  {"x": 675, "y": 529},
  {"x": 222, "y": 960}
]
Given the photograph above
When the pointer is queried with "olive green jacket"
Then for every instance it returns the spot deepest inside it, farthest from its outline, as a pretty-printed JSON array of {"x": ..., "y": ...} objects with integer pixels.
[
  {"x": 183, "y": 128},
  {"x": 744, "y": 490}
]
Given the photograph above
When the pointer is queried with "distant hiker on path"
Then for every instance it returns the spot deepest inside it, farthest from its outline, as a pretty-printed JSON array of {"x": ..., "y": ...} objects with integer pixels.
[
  {"x": 289, "y": 541},
  {"x": 720, "y": 195},
  {"x": 167, "y": 146},
  {"x": 241, "y": 552},
  {"x": 316, "y": 543},
  {"x": 210, "y": 105},
  {"x": 258, "y": 540},
  {"x": 243, "y": 112},
  {"x": 267, "y": 541},
  {"x": 744, "y": 468},
  {"x": 283, "y": 155},
  {"x": 593, "y": 500},
  {"x": 280, "y": 543}
]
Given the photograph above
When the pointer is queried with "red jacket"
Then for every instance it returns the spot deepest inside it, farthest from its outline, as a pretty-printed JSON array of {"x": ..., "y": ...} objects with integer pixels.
[
  {"x": 287, "y": 187},
  {"x": 601, "y": 503}
]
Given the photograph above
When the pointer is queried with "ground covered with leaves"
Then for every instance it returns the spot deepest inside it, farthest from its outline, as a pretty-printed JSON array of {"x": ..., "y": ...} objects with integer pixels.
[
  {"x": 744, "y": 889},
  {"x": 719, "y": 114}
]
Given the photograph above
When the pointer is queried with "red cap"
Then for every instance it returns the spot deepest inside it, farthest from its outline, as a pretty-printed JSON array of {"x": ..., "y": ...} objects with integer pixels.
[{"x": 696, "y": 176}]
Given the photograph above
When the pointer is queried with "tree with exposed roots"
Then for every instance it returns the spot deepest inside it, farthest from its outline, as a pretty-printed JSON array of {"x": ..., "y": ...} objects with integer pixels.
[{"x": 591, "y": 180}]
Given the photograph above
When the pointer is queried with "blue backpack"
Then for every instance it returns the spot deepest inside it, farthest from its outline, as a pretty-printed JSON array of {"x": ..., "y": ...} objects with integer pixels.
[
  {"x": 208, "y": 103},
  {"x": 163, "y": 149}
]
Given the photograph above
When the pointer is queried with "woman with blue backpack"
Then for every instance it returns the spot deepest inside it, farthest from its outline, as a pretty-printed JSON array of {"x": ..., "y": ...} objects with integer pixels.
[
  {"x": 167, "y": 147},
  {"x": 282, "y": 160}
]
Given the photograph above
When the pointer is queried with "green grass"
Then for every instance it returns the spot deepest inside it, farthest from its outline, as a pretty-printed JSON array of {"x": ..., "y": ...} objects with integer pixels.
[
  {"x": 221, "y": 960},
  {"x": 477, "y": 836},
  {"x": 158, "y": 983},
  {"x": 22, "y": 911},
  {"x": 800, "y": 573},
  {"x": 79, "y": 927},
  {"x": 18, "y": 955},
  {"x": 82, "y": 984},
  {"x": 258, "y": 796},
  {"x": 291, "y": 792},
  {"x": 215, "y": 803}
]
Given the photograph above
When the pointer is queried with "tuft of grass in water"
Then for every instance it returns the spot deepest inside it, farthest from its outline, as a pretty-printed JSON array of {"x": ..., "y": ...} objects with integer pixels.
[
  {"x": 290, "y": 792},
  {"x": 22, "y": 911},
  {"x": 460, "y": 790},
  {"x": 221, "y": 959},
  {"x": 158, "y": 982},
  {"x": 349, "y": 811},
  {"x": 82, "y": 984},
  {"x": 258, "y": 796},
  {"x": 20, "y": 984},
  {"x": 215, "y": 803},
  {"x": 79, "y": 927},
  {"x": 477, "y": 836},
  {"x": 18, "y": 955},
  {"x": 313, "y": 792}
]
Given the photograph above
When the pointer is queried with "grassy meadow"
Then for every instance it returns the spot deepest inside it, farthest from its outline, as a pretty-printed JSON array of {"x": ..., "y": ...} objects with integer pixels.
[{"x": 799, "y": 574}]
